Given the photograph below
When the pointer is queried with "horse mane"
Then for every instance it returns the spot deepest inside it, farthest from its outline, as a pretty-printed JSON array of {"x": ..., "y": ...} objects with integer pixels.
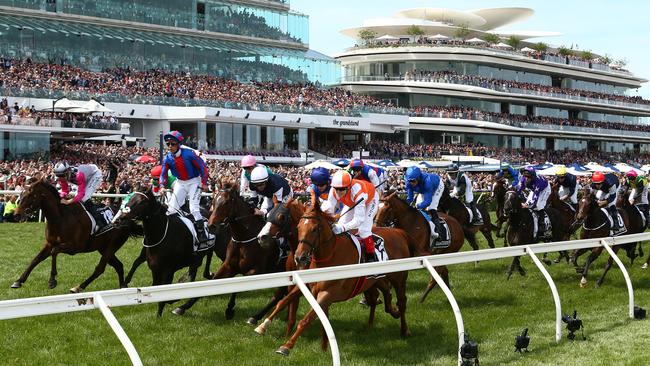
[
  {"x": 316, "y": 208},
  {"x": 48, "y": 187}
]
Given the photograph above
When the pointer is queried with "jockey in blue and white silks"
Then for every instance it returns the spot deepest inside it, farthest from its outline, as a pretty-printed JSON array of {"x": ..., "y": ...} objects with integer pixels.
[
  {"x": 462, "y": 189},
  {"x": 605, "y": 187},
  {"x": 269, "y": 185},
  {"x": 508, "y": 173},
  {"x": 376, "y": 176},
  {"x": 430, "y": 189}
]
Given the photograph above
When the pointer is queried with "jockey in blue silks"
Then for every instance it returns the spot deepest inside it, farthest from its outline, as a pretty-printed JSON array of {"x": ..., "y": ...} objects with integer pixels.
[{"x": 430, "y": 189}]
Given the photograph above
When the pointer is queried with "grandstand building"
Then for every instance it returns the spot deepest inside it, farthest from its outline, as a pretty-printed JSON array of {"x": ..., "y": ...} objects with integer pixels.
[{"x": 468, "y": 82}]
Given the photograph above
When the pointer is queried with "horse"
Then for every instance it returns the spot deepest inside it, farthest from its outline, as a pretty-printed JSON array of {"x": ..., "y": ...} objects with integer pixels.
[
  {"x": 244, "y": 255},
  {"x": 595, "y": 224},
  {"x": 567, "y": 215},
  {"x": 456, "y": 209},
  {"x": 521, "y": 226},
  {"x": 395, "y": 212},
  {"x": 282, "y": 223},
  {"x": 499, "y": 195},
  {"x": 319, "y": 247},
  {"x": 68, "y": 230},
  {"x": 636, "y": 219},
  {"x": 168, "y": 242}
]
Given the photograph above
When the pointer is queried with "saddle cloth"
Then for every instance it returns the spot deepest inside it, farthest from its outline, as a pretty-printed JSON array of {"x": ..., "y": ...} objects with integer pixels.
[
  {"x": 643, "y": 218},
  {"x": 621, "y": 224},
  {"x": 197, "y": 246},
  {"x": 101, "y": 212},
  {"x": 471, "y": 214},
  {"x": 380, "y": 251},
  {"x": 547, "y": 224},
  {"x": 437, "y": 243}
]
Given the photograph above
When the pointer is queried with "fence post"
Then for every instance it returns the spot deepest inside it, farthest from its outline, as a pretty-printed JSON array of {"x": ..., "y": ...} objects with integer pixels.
[
  {"x": 628, "y": 281},
  {"x": 336, "y": 358},
  {"x": 452, "y": 301},
  {"x": 119, "y": 332},
  {"x": 556, "y": 295}
]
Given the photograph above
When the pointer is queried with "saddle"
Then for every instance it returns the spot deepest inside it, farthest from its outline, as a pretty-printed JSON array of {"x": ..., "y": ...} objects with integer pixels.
[
  {"x": 444, "y": 239},
  {"x": 622, "y": 229},
  {"x": 100, "y": 217},
  {"x": 380, "y": 251},
  {"x": 543, "y": 232}
]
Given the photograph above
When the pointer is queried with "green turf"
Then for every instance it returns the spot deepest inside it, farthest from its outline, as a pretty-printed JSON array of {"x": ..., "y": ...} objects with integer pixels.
[{"x": 494, "y": 311}]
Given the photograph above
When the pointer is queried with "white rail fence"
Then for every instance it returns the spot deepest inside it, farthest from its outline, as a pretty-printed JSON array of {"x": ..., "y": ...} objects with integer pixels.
[{"x": 104, "y": 300}]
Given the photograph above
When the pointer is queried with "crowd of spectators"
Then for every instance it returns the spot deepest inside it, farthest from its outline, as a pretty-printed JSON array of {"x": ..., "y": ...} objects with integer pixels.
[{"x": 24, "y": 115}]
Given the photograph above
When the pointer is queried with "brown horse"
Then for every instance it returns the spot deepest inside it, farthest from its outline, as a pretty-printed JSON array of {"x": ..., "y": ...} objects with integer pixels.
[
  {"x": 395, "y": 212},
  {"x": 636, "y": 220},
  {"x": 499, "y": 195},
  {"x": 244, "y": 254},
  {"x": 318, "y": 247},
  {"x": 595, "y": 224},
  {"x": 567, "y": 215},
  {"x": 456, "y": 209},
  {"x": 68, "y": 231}
]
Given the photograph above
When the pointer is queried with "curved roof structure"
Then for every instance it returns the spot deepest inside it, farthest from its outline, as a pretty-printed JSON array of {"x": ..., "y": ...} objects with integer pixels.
[
  {"x": 447, "y": 22},
  {"x": 450, "y": 16}
]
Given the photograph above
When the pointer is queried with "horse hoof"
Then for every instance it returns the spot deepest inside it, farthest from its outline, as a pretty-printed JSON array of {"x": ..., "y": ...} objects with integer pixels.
[
  {"x": 251, "y": 321},
  {"x": 406, "y": 334},
  {"x": 178, "y": 311},
  {"x": 583, "y": 283},
  {"x": 230, "y": 313},
  {"x": 52, "y": 284},
  {"x": 17, "y": 284},
  {"x": 644, "y": 266},
  {"x": 284, "y": 351},
  {"x": 75, "y": 290},
  {"x": 509, "y": 274}
]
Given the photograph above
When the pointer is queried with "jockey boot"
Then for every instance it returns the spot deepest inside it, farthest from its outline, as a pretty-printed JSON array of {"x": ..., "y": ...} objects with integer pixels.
[
  {"x": 476, "y": 220},
  {"x": 369, "y": 245},
  {"x": 283, "y": 245},
  {"x": 440, "y": 229},
  {"x": 201, "y": 235}
]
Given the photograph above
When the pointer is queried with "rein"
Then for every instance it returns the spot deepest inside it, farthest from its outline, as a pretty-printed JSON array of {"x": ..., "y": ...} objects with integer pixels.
[
  {"x": 163, "y": 237},
  {"x": 315, "y": 247}
]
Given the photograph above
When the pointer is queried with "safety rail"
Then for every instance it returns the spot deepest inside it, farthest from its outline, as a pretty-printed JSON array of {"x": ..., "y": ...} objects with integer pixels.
[{"x": 104, "y": 300}]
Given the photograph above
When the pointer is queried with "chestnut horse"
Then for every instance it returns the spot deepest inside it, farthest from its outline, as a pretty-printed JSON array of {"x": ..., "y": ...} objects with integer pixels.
[
  {"x": 318, "y": 247},
  {"x": 68, "y": 231},
  {"x": 395, "y": 212},
  {"x": 595, "y": 224},
  {"x": 499, "y": 195}
]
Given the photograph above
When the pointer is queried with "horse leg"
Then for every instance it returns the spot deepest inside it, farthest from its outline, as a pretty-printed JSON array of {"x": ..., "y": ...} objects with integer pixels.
[
  {"x": 45, "y": 252},
  {"x": 99, "y": 269},
  {"x": 294, "y": 294},
  {"x": 444, "y": 273},
  {"x": 607, "y": 267},
  {"x": 563, "y": 254},
  {"x": 471, "y": 238},
  {"x": 224, "y": 271},
  {"x": 230, "y": 309},
  {"x": 292, "y": 311},
  {"x": 592, "y": 257},
  {"x": 512, "y": 267},
  {"x": 277, "y": 295},
  {"x": 142, "y": 257},
  {"x": 323, "y": 299},
  {"x": 206, "y": 270},
  {"x": 384, "y": 287},
  {"x": 53, "y": 272},
  {"x": 371, "y": 296},
  {"x": 400, "y": 291},
  {"x": 119, "y": 268},
  {"x": 487, "y": 233},
  {"x": 521, "y": 269}
]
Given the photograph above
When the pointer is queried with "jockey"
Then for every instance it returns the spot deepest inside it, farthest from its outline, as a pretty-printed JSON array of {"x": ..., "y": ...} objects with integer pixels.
[
  {"x": 430, "y": 189},
  {"x": 540, "y": 190},
  {"x": 248, "y": 163},
  {"x": 358, "y": 196},
  {"x": 376, "y": 176},
  {"x": 507, "y": 172},
  {"x": 269, "y": 185},
  {"x": 155, "y": 178},
  {"x": 191, "y": 177},
  {"x": 462, "y": 189},
  {"x": 320, "y": 183},
  {"x": 569, "y": 186},
  {"x": 87, "y": 178},
  {"x": 639, "y": 193},
  {"x": 606, "y": 187}
]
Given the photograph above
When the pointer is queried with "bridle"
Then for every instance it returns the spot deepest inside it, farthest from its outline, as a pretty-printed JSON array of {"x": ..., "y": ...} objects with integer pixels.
[
  {"x": 313, "y": 247},
  {"x": 285, "y": 228},
  {"x": 127, "y": 210}
]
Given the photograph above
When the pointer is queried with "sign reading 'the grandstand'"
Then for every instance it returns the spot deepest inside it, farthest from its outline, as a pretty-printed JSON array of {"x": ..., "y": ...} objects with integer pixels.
[{"x": 345, "y": 123}]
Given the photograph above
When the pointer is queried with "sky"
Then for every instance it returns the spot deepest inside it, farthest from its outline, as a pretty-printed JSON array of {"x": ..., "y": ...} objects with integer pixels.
[{"x": 620, "y": 29}]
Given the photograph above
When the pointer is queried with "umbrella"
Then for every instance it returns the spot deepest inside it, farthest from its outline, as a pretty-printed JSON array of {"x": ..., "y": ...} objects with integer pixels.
[
  {"x": 598, "y": 168},
  {"x": 502, "y": 45},
  {"x": 626, "y": 168},
  {"x": 78, "y": 110},
  {"x": 475, "y": 40},
  {"x": 145, "y": 159},
  {"x": 387, "y": 37},
  {"x": 134, "y": 156},
  {"x": 94, "y": 106},
  {"x": 321, "y": 164},
  {"x": 527, "y": 49},
  {"x": 407, "y": 163},
  {"x": 65, "y": 104},
  {"x": 439, "y": 37},
  {"x": 386, "y": 164},
  {"x": 426, "y": 164},
  {"x": 610, "y": 166},
  {"x": 341, "y": 162}
]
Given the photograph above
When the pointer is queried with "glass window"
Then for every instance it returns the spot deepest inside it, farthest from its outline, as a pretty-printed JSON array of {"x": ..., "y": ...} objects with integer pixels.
[{"x": 27, "y": 146}]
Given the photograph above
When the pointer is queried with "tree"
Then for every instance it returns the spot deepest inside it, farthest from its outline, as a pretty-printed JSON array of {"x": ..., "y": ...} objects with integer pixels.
[
  {"x": 367, "y": 35},
  {"x": 513, "y": 42},
  {"x": 491, "y": 38},
  {"x": 564, "y": 51},
  {"x": 621, "y": 63},
  {"x": 540, "y": 47},
  {"x": 587, "y": 55},
  {"x": 606, "y": 59},
  {"x": 415, "y": 31},
  {"x": 462, "y": 32}
]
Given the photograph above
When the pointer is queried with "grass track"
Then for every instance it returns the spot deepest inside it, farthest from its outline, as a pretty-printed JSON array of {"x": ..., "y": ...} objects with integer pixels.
[{"x": 494, "y": 311}]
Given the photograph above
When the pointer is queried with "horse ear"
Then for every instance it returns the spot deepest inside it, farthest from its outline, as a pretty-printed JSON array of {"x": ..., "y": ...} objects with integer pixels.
[{"x": 275, "y": 200}]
